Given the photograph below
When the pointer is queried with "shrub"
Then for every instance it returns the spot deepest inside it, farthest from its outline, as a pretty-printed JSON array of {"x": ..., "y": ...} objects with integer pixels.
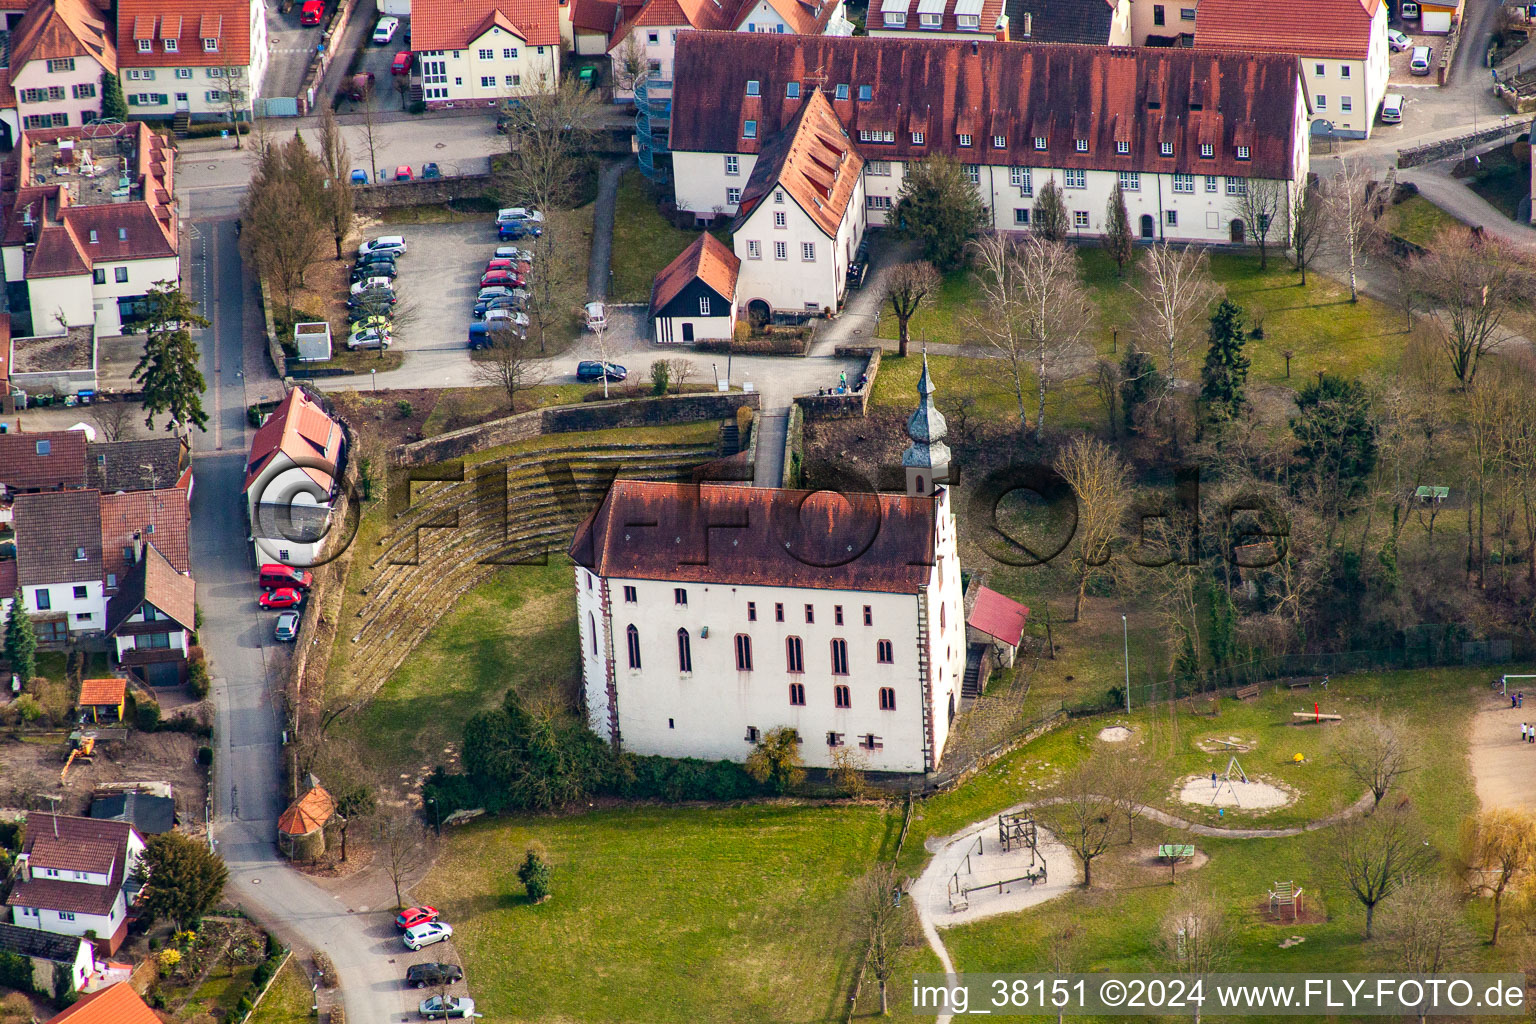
[
  {"x": 205, "y": 756},
  {"x": 198, "y": 681},
  {"x": 254, "y": 415},
  {"x": 147, "y": 715},
  {"x": 405, "y": 409},
  {"x": 325, "y": 969},
  {"x": 15, "y": 971},
  {"x": 661, "y": 377},
  {"x": 534, "y": 874},
  {"x": 168, "y": 958},
  {"x": 338, "y": 1015},
  {"x": 29, "y": 708},
  {"x": 743, "y": 420},
  {"x": 417, "y": 107}
]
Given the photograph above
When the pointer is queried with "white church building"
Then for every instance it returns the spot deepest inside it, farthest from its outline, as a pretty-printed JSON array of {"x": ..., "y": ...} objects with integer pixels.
[{"x": 710, "y": 614}]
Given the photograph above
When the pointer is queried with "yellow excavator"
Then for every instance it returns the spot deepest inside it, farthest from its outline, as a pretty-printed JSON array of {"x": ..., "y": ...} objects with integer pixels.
[{"x": 84, "y": 751}]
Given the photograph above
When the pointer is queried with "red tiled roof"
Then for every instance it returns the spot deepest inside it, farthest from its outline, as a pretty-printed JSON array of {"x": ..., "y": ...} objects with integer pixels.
[
  {"x": 156, "y": 581},
  {"x": 116, "y": 1004},
  {"x": 56, "y": 255},
  {"x": 708, "y": 533},
  {"x": 455, "y": 24},
  {"x": 22, "y": 468},
  {"x": 155, "y": 517},
  {"x": 989, "y": 15},
  {"x": 307, "y": 814},
  {"x": 595, "y": 15},
  {"x": 706, "y": 259},
  {"x": 998, "y": 616},
  {"x": 102, "y": 692},
  {"x": 63, "y": 28},
  {"x": 7, "y": 93},
  {"x": 8, "y": 578},
  {"x": 228, "y": 21},
  {"x": 806, "y": 19},
  {"x": 945, "y": 88},
  {"x": 299, "y": 429},
  {"x": 1340, "y": 29},
  {"x": 813, "y": 160},
  {"x": 75, "y": 844}
]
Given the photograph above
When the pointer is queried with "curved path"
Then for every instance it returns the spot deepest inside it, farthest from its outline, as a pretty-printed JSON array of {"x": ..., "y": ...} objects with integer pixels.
[{"x": 948, "y": 853}]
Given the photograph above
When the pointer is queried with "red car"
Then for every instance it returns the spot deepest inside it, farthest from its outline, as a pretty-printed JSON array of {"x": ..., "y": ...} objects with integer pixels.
[
  {"x": 414, "y": 916},
  {"x": 511, "y": 265},
  {"x": 403, "y": 172},
  {"x": 311, "y": 12},
  {"x": 401, "y": 65},
  {"x": 282, "y": 597},
  {"x": 502, "y": 277}
]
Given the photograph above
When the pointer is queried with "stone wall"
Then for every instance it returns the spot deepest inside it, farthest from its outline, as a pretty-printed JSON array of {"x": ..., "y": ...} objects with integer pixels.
[
  {"x": 855, "y": 403},
  {"x": 1454, "y": 147},
  {"x": 391, "y": 195},
  {"x": 564, "y": 419}
]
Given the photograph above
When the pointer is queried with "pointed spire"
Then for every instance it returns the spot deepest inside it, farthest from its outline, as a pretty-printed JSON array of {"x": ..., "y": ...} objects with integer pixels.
[{"x": 926, "y": 427}]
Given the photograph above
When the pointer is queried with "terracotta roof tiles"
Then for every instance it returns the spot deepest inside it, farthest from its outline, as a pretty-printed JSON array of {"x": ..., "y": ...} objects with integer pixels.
[
  {"x": 58, "y": 537},
  {"x": 1340, "y": 29},
  {"x": 706, "y": 259},
  {"x": 307, "y": 814},
  {"x": 300, "y": 429},
  {"x": 156, "y": 581},
  {"x": 455, "y": 24},
  {"x": 228, "y": 21},
  {"x": 813, "y": 161},
  {"x": 63, "y": 28},
  {"x": 117, "y": 1004},
  {"x": 62, "y": 464},
  {"x": 157, "y": 517},
  {"x": 102, "y": 692}
]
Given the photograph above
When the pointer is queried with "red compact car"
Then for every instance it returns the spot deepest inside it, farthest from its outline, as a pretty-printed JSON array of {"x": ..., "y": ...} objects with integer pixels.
[
  {"x": 505, "y": 278},
  {"x": 414, "y": 916},
  {"x": 282, "y": 597},
  {"x": 515, "y": 266},
  {"x": 401, "y": 65},
  {"x": 311, "y": 12}
]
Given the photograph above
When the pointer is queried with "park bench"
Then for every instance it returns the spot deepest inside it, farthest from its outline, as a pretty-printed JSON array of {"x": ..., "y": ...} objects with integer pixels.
[{"x": 1245, "y": 692}]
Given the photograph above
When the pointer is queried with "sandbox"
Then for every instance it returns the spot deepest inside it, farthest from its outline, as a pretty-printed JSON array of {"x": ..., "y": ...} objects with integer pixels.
[
  {"x": 1114, "y": 734},
  {"x": 1250, "y": 795}
]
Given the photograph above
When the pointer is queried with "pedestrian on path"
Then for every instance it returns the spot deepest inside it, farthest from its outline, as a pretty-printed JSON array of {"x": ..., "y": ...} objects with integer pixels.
[
  {"x": 1522, "y": 740},
  {"x": 1213, "y": 774}
]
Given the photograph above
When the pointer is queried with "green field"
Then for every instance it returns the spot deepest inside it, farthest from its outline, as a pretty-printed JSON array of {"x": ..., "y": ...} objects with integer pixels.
[{"x": 288, "y": 1000}]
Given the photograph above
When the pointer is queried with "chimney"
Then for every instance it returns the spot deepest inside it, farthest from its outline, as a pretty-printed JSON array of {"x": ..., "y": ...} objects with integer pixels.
[
  {"x": 24, "y": 866},
  {"x": 138, "y": 548}
]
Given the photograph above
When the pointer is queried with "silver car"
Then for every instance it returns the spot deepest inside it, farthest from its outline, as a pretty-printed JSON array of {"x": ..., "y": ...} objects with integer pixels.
[{"x": 287, "y": 628}]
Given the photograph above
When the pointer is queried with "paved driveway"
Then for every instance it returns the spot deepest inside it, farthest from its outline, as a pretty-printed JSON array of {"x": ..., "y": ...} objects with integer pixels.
[{"x": 291, "y": 46}]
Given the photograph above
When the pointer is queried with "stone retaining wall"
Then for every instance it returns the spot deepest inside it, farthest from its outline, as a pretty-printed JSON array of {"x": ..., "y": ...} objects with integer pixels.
[
  {"x": 855, "y": 403},
  {"x": 422, "y": 192},
  {"x": 1454, "y": 147}
]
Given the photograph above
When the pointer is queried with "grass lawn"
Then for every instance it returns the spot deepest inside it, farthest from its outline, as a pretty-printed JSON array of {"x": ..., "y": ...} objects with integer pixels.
[
  {"x": 643, "y": 241},
  {"x": 1418, "y": 220},
  {"x": 990, "y": 383},
  {"x": 288, "y": 1000},
  {"x": 1317, "y": 323}
]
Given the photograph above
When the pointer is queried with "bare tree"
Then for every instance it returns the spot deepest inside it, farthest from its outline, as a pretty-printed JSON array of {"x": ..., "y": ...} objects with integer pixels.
[
  {"x": 111, "y": 419},
  {"x": 403, "y": 846},
  {"x": 629, "y": 63},
  {"x": 509, "y": 363},
  {"x": 550, "y": 280},
  {"x": 373, "y": 136},
  {"x": 234, "y": 93},
  {"x": 1374, "y": 751},
  {"x": 1106, "y": 381},
  {"x": 1350, "y": 225},
  {"x": 679, "y": 370},
  {"x": 1082, "y": 816},
  {"x": 285, "y": 233},
  {"x": 1473, "y": 284},
  {"x": 887, "y": 925},
  {"x": 1101, "y": 481},
  {"x": 1034, "y": 311},
  {"x": 1195, "y": 937},
  {"x": 1129, "y": 777},
  {"x": 1309, "y": 230},
  {"x": 1372, "y": 855},
  {"x": 1263, "y": 206},
  {"x": 907, "y": 285},
  {"x": 337, "y": 198},
  {"x": 1174, "y": 287},
  {"x": 547, "y": 130},
  {"x": 1498, "y": 849},
  {"x": 1426, "y": 928}
]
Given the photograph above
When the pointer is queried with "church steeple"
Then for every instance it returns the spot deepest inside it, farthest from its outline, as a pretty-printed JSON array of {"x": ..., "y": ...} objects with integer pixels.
[{"x": 926, "y": 459}]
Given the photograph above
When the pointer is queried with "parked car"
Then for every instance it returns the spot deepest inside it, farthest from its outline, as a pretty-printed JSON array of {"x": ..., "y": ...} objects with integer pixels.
[
  {"x": 1398, "y": 41},
  {"x": 513, "y": 230},
  {"x": 426, "y": 934},
  {"x": 384, "y": 243},
  {"x": 517, "y": 300},
  {"x": 430, "y": 171},
  {"x": 505, "y": 278},
  {"x": 287, "y": 627},
  {"x": 373, "y": 284},
  {"x": 589, "y": 370},
  {"x": 1410, "y": 10},
  {"x": 401, "y": 65},
  {"x": 311, "y": 12},
  {"x": 276, "y": 574},
  {"x": 360, "y": 86},
  {"x": 512, "y": 252},
  {"x": 385, "y": 28},
  {"x": 496, "y": 291},
  {"x": 856, "y": 271},
  {"x": 498, "y": 263},
  {"x": 596, "y": 316},
  {"x": 369, "y": 337},
  {"x": 359, "y": 176},
  {"x": 518, "y": 213},
  {"x": 1392, "y": 108},
  {"x": 443, "y": 1007},
  {"x": 413, "y": 916},
  {"x": 366, "y": 321},
  {"x": 379, "y": 256},
  {"x": 423, "y": 975},
  {"x": 587, "y": 76},
  {"x": 282, "y": 597},
  {"x": 1419, "y": 63},
  {"x": 374, "y": 301},
  {"x": 403, "y": 173},
  {"x": 499, "y": 317},
  {"x": 375, "y": 271}
]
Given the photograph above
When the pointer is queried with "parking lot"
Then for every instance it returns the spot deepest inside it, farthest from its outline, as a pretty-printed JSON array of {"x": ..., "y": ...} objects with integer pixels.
[
  {"x": 1398, "y": 62},
  {"x": 291, "y": 45},
  {"x": 376, "y": 58},
  {"x": 439, "y": 278}
]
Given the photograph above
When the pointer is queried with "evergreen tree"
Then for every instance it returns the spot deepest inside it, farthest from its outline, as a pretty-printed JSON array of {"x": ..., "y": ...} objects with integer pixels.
[
  {"x": 534, "y": 874},
  {"x": 168, "y": 371},
  {"x": 939, "y": 207},
  {"x": 182, "y": 879},
  {"x": 112, "y": 103},
  {"x": 1117, "y": 230},
  {"x": 20, "y": 639},
  {"x": 1224, "y": 378},
  {"x": 1049, "y": 217},
  {"x": 1335, "y": 439},
  {"x": 1139, "y": 382}
]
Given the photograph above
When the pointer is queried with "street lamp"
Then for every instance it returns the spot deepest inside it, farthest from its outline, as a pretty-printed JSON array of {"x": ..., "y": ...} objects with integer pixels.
[
  {"x": 1125, "y": 634},
  {"x": 437, "y": 817},
  {"x": 373, "y": 375}
]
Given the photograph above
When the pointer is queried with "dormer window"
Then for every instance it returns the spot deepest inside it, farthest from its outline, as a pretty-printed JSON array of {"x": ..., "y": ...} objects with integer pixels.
[
  {"x": 79, "y": 554},
  {"x": 965, "y": 140},
  {"x": 170, "y": 45},
  {"x": 1122, "y": 147},
  {"x": 866, "y": 93},
  {"x": 1207, "y": 151},
  {"x": 1242, "y": 152},
  {"x": 146, "y": 45},
  {"x": 754, "y": 88},
  {"x": 1040, "y": 142},
  {"x": 931, "y": 20},
  {"x": 917, "y": 138},
  {"x": 792, "y": 90},
  {"x": 1082, "y": 145},
  {"x": 841, "y": 92},
  {"x": 749, "y": 130},
  {"x": 93, "y": 236},
  {"x": 210, "y": 46},
  {"x": 1166, "y": 149},
  {"x": 969, "y": 22},
  {"x": 999, "y": 142}
]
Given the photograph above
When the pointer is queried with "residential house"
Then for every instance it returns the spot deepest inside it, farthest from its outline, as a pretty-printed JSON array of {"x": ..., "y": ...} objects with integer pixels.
[
  {"x": 646, "y": 43},
  {"x": 291, "y": 480},
  {"x": 140, "y": 465},
  {"x": 59, "y": 51},
  {"x": 592, "y": 23},
  {"x": 194, "y": 62},
  {"x": 74, "y": 877},
  {"x": 132, "y": 520},
  {"x": 1163, "y": 22},
  {"x": 694, "y": 297},
  {"x": 59, "y": 563},
  {"x": 89, "y": 226},
  {"x": 941, "y": 19},
  {"x": 1343, "y": 49},
  {"x": 151, "y": 620},
  {"x": 1183, "y": 132},
  {"x": 61, "y": 964},
  {"x": 116, "y": 1004},
  {"x": 480, "y": 52},
  {"x": 800, "y": 215},
  {"x": 149, "y": 813},
  {"x": 1092, "y": 22},
  {"x": 698, "y": 648},
  {"x": 49, "y": 460}
]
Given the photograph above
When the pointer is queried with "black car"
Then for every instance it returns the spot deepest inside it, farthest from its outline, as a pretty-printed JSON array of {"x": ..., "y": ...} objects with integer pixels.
[
  {"x": 382, "y": 256},
  {"x": 514, "y": 302},
  {"x": 423, "y": 975},
  {"x": 856, "y": 271},
  {"x": 591, "y": 369},
  {"x": 367, "y": 270},
  {"x": 375, "y": 300}
]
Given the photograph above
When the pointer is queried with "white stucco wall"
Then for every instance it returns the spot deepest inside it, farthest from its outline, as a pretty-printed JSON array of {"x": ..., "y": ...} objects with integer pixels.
[
  {"x": 35, "y": 75},
  {"x": 1178, "y": 19},
  {"x": 142, "y": 276},
  {"x": 794, "y": 282},
  {"x": 669, "y": 329},
  {"x": 53, "y": 297},
  {"x": 470, "y": 77},
  {"x": 195, "y": 83},
  {"x": 283, "y": 483},
  {"x": 86, "y": 614}
]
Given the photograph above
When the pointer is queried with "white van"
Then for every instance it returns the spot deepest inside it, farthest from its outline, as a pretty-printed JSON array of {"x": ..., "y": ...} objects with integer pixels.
[
  {"x": 1392, "y": 108},
  {"x": 1419, "y": 65}
]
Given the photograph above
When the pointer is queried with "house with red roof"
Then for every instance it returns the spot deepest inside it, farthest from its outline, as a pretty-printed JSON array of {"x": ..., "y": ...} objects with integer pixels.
[
  {"x": 88, "y": 218},
  {"x": 116, "y": 1004},
  {"x": 75, "y": 876},
  {"x": 694, "y": 297},
  {"x": 291, "y": 480},
  {"x": 481, "y": 52},
  {"x": 1342, "y": 45},
  {"x": 59, "y": 50},
  {"x": 201, "y": 61}
]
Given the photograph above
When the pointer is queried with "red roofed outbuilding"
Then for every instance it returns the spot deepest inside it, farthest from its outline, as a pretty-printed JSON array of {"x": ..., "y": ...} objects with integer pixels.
[{"x": 694, "y": 297}]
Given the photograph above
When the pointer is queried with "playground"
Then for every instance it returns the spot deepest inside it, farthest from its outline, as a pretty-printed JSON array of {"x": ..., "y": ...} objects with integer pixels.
[
  {"x": 997, "y": 866},
  {"x": 1233, "y": 788}
]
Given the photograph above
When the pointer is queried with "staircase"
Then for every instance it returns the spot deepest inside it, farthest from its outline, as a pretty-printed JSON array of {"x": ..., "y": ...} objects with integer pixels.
[
  {"x": 971, "y": 685},
  {"x": 730, "y": 439},
  {"x": 180, "y": 123}
]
